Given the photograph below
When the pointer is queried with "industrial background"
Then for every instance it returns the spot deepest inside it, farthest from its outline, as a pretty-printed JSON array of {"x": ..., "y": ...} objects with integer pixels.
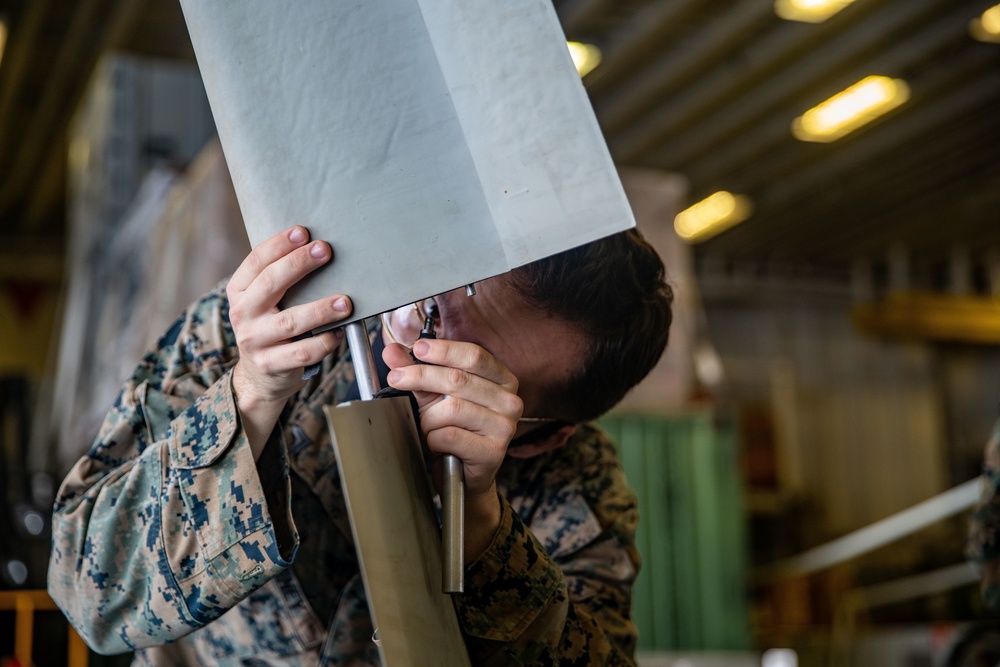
[{"x": 835, "y": 360}]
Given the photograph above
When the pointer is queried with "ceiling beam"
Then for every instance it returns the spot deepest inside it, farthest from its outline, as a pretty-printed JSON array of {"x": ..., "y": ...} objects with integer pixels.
[
  {"x": 929, "y": 211},
  {"x": 932, "y": 221},
  {"x": 732, "y": 114},
  {"x": 574, "y": 14},
  {"x": 23, "y": 38},
  {"x": 675, "y": 66},
  {"x": 115, "y": 26},
  {"x": 866, "y": 210},
  {"x": 54, "y": 107},
  {"x": 943, "y": 95},
  {"x": 756, "y": 147},
  {"x": 925, "y": 207},
  {"x": 907, "y": 130},
  {"x": 634, "y": 41}
]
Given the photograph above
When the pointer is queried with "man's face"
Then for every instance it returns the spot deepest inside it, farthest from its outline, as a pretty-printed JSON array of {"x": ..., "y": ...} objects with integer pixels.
[{"x": 540, "y": 350}]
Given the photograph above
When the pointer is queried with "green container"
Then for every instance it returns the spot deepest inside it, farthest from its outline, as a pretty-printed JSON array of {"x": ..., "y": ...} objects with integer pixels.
[{"x": 690, "y": 593}]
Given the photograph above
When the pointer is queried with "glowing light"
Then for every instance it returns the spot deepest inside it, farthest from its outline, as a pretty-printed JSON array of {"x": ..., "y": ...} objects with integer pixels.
[
  {"x": 3, "y": 38},
  {"x": 779, "y": 657},
  {"x": 991, "y": 20},
  {"x": 714, "y": 214},
  {"x": 808, "y": 11},
  {"x": 17, "y": 571},
  {"x": 986, "y": 28},
  {"x": 848, "y": 110},
  {"x": 585, "y": 56}
]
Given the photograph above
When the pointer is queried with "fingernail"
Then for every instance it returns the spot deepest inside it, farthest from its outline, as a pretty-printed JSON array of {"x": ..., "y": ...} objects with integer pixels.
[
  {"x": 421, "y": 347},
  {"x": 297, "y": 235},
  {"x": 341, "y": 305},
  {"x": 318, "y": 250},
  {"x": 394, "y": 376}
]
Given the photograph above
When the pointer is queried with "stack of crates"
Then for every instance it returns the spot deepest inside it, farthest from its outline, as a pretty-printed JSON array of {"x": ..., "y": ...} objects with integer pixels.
[{"x": 691, "y": 592}]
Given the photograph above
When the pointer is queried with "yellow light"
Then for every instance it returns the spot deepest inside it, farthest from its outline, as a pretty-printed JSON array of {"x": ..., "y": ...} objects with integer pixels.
[
  {"x": 850, "y": 109},
  {"x": 3, "y": 38},
  {"x": 986, "y": 28},
  {"x": 712, "y": 215},
  {"x": 808, "y": 11},
  {"x": 585, "y": 56}
]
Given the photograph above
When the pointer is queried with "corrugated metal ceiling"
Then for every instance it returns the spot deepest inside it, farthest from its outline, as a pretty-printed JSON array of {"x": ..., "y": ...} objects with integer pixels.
[{"x": 704, "y": 88}]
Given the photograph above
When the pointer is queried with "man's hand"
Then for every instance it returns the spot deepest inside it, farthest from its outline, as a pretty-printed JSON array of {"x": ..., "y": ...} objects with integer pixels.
[
  {"x": 469, "y": 407},
  {"x": 271, "y": 363}
]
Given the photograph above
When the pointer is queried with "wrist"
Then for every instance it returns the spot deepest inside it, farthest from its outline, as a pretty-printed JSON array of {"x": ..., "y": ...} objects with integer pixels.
[
  {"x": 258, "y": 415},
  {"x": 483, "y": 514}
]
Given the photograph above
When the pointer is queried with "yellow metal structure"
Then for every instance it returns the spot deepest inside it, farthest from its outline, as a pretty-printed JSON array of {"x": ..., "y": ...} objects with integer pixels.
[
  {"x": 932, "y": 316},
  {"x": 24, "y": 604}
]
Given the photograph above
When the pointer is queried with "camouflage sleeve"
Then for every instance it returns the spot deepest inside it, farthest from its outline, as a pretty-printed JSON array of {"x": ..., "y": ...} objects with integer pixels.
[
  {"x": 559, "y": 592},
  {"x": 165, "y": 523},
  {"x": 983, "y": 546}
]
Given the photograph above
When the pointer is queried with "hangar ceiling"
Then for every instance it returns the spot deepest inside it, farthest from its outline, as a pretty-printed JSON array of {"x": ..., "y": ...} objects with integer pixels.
[{"x": 703, "y": 88}]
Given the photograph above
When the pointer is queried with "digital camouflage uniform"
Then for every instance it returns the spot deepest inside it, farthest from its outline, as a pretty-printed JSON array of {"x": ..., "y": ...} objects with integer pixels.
[
  {"x": 984, "y": 530},
  {"x": 167, "y": 530}
]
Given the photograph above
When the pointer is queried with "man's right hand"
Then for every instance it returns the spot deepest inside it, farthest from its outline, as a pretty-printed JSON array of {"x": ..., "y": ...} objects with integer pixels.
[{"x": 272, "y": 361}]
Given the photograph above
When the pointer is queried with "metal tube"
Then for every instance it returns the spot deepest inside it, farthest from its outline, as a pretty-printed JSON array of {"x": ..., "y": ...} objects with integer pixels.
[
  {"x": 875, "y": 535},
  {"x": 453, "y": 525},
  {"x": 364, "y": 359}
]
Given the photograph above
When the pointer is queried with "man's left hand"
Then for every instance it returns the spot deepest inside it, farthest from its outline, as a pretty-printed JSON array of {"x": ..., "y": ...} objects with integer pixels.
[{"x": 469, "y": 407}]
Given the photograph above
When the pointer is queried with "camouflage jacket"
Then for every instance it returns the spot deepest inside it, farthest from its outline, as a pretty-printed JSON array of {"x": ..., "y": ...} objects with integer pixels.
[
  {"x": 983, "y": 546},
  {"x": 169, "y": 540}
]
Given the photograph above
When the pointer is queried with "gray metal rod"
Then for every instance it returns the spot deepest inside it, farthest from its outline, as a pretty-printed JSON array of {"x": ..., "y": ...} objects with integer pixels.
[
  {"x": 453, "y": 525},
  {"x": 364, "y": 359},
  {"x": 875, "y": 535}
]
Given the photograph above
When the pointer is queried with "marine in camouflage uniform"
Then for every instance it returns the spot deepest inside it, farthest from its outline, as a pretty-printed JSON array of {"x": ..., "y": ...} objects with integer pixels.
[
  {"x": 983, "y": 546},
  {"x": 169, "y": 539}
]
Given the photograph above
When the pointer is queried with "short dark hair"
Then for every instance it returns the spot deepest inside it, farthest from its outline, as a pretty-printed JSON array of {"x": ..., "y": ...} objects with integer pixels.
[{"x": 614, "y": 290}]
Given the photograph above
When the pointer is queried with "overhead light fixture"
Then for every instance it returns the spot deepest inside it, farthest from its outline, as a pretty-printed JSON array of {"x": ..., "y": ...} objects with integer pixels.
[
  {"x": 986, "y": 27},
  {"x": 808, "y": 11},
  {"x": 585, "y": 56},
  {"x": 712, "y": 215},
  {"x": 850, "y": 109},
  {"x": 3, "y": 37}
]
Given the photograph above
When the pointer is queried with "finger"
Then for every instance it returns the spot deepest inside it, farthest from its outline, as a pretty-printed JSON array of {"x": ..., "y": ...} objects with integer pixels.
[
  {"x": 293, "y": 356},
  {"x": 270, "y": 285},
  {"x": 480, "y": 455},
  {"x": 439, "y": 380},
  {"x": 266, "y": 253},
  {"x": 468, "y": 416},
  {"x": 397, "y": 356},
  {"x": 473, "y": 449},
  {"x": 468, "y": 357},
  {"x": 302, "y": 319}
]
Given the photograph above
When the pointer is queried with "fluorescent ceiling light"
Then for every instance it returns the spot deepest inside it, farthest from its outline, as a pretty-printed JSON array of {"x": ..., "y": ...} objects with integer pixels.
[
  {"x": 714, "y": 214},
  {"x": 986, "y": 28},
  {"x": 850, "y": 109},
  {"x": 585, "y": 56},
  {"x": 809, "y": 11},
  {"x": 3, "y": 37}
]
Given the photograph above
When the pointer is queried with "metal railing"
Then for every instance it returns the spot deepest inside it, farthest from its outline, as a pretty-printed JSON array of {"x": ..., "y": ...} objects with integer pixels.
[{"x": 24, "y": 604}]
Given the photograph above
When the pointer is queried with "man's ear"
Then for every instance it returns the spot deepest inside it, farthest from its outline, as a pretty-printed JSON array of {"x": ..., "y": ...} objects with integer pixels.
[{"x": 553, "y": 441}]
